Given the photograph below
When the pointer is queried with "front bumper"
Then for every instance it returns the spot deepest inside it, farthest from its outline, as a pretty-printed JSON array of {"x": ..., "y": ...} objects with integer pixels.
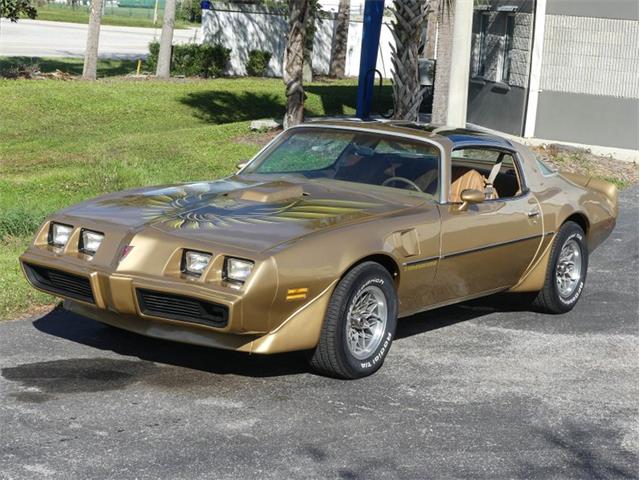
[{"x": 115, "y": 298}]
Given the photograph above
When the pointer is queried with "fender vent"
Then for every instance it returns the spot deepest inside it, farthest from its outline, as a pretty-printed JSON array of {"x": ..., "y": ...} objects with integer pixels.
[
  {"x": 179, "y": 307},
  {"x": 60, "y": 283}
]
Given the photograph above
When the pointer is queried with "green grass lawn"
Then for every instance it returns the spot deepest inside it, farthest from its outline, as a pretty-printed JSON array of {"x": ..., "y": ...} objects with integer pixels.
[
  {"x": 63, "y": 142},
  {"x": 123, "y": 17}
]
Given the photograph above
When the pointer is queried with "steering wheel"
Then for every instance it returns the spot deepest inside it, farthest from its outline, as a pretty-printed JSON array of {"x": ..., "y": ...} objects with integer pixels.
[{"x": 402, "y": 179}]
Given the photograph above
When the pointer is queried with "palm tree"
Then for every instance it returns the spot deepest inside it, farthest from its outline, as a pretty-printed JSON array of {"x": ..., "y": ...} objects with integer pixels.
[
  {"x": 407, "y": 29},
  {"x": 339, "y": 57},
  {"x": 410, "y": 19},
  {"x": 90, "y": 68},
  {"x": 293, "y": 62},
  {"x": 163, "y": 69}
]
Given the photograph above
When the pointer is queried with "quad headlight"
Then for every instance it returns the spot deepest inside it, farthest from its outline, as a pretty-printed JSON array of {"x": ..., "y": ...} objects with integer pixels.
[
  {"x": 59, "y": 234},
  {"x": 195, "y": 263},
  {"x": 236, "y": 270},
  {"x": 90, "y": 241}
]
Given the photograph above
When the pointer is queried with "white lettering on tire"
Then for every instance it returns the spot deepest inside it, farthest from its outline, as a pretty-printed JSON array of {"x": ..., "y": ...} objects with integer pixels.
[
  {"x": 385, "y": 345},
  {"x": 574, "y": 298}
]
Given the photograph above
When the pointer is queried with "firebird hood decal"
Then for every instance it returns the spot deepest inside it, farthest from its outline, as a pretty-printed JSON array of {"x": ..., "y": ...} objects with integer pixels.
[
  {"x": 214, "y": 211},
  {"x": 174, "y": 210}
]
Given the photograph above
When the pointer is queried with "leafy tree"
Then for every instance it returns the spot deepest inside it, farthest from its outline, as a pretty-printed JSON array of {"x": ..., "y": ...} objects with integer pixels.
[{"x": 14, "y": 9}]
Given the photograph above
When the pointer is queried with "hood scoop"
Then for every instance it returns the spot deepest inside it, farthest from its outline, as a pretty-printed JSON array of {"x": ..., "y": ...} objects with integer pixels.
[{"x": 271, "y": 192}]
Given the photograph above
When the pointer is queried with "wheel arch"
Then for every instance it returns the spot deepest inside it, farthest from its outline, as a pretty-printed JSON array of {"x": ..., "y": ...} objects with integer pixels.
[
  {"x": 581, "y": 219},
  {"x": 384, "y": 259},
  {"x": 533, "y": 279}
]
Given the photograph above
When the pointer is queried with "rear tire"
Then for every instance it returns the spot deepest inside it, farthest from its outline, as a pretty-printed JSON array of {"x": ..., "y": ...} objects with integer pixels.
[
  {"x": 359, "y": 325},
  {"x": 566, "y": 272}
]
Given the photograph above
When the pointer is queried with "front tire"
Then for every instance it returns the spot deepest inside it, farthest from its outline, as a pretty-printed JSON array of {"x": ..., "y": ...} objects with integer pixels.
[
  {"x": 566, "y": 272},
  {"x": 359, "y": 325}
]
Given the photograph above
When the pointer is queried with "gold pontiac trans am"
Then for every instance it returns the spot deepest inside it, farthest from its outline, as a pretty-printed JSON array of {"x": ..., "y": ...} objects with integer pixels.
[{"x": 321, "y": 242}]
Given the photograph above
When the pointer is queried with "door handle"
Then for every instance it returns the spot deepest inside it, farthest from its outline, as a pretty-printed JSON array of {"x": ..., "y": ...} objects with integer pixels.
[{"x": 533, "y": 213}]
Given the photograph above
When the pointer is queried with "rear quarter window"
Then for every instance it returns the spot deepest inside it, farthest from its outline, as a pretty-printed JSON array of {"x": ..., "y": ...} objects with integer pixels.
[{"x": 545, "y": 169}]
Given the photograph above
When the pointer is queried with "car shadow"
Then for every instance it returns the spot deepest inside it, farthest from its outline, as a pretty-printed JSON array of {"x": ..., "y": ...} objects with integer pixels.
[
  {"x": 69, "y": 326},
  {"x": 446, "y": 316}
]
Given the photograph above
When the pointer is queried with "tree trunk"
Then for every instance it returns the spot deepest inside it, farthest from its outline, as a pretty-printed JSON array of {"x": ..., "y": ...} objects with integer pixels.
[
  {"x": 166, "y": 39},
  {"x": 459, "y": 68},
  {"x": 89, "y": 70},
  {"x": 309, "y": 35},
  {"x": 339, "y": 60},
  {"x": 443, "y": 66},
  {"x": 410, "y": 19},
  {"x": 293, "y": 61}
]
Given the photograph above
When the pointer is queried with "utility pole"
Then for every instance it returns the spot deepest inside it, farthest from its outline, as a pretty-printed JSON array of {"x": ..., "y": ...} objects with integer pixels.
[{"x": 460, "y": 58}]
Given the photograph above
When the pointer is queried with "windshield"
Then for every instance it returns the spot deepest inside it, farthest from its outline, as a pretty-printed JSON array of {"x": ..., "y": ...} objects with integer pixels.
[{"x": 353, "y": 157}]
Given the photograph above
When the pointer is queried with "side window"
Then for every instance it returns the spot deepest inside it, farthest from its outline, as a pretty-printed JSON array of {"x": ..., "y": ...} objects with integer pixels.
[
  {"x": 409, "y": 165},
  {"x": 472, "y": 168}
]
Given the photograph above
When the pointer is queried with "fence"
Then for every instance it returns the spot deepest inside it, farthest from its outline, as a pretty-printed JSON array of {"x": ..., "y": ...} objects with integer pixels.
[
  {"x": 249, "y": 27},
  {"x": 110, "y": 9}
]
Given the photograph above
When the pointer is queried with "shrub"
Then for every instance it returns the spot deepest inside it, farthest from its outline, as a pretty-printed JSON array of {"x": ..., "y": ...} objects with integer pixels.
[
  {"x": 189, "y": 11},
  {"x": 257, "y": 63},
  {"x": 152, "y": 59},
  {"x": 192, "y": 59}
]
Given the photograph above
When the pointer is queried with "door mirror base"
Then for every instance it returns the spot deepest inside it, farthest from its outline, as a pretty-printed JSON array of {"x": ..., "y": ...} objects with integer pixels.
[{"x": 470, "y": 196}]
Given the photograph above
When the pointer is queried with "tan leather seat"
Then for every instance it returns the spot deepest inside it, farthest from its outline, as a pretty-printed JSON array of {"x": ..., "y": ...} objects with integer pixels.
[{"x": 470, "y": 180}]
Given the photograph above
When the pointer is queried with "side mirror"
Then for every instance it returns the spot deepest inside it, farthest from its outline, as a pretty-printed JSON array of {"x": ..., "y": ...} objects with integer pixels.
[
  {"x": 470, "y": 196},
  {"x": 242, "y": 164}
]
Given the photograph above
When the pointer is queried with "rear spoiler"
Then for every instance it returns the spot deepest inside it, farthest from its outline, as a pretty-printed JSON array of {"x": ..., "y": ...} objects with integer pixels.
[{"x": 608, "y": 189}]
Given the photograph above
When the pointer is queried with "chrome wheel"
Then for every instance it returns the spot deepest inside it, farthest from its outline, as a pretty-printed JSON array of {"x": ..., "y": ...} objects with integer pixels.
[
  {"x": 366, "y": 321},
  {"x": 569, "y": 268}
]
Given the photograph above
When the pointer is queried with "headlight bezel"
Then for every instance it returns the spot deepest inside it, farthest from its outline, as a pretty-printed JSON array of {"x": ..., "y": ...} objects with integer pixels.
[
  {"x": 51, "y": 236},
  {"x": 227, "y": 271},
  {"x": 184, "y": 264},
  {"x": 82, "y": 247}
]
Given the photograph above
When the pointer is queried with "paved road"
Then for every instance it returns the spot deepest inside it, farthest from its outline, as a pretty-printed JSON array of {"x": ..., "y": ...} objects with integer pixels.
[
  {"x": 36, "y": 38},
  {"x": 483, "y": 390}
]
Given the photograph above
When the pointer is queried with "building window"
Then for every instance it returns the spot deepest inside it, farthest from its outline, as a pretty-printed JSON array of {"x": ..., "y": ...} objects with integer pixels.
[
  {"x": 507, "y": 48},
  {"x": 481, "y": 63},
  {"x": 493, "y": 44}
]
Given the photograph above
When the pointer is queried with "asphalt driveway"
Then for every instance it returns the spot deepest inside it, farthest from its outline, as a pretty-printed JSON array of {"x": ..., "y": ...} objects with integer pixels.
[{"x": 482, "y": 390}]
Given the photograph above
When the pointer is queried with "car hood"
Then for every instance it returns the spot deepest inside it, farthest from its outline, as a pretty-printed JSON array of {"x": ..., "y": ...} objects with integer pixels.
[{"x": 249, "y": 212}]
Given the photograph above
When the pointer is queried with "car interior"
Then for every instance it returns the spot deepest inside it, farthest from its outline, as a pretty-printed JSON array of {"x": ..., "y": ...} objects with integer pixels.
[
  {"x": 385, "y": 161},
  {"x": 368, "y": 159},
  {"x": 472, "y": 168}
]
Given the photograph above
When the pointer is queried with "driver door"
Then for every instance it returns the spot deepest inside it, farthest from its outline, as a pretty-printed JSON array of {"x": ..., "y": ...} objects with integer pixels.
[{"x": 487, "y": 246}]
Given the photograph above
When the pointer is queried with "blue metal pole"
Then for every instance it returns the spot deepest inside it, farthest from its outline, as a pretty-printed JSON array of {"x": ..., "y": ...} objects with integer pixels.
[{"x": 373, "y": 10}]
